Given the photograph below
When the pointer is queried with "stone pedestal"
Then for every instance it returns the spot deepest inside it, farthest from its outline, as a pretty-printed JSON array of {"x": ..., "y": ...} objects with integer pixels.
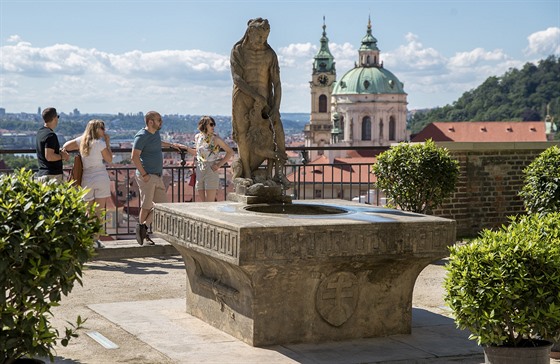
[{"x": 270, "y": 279}]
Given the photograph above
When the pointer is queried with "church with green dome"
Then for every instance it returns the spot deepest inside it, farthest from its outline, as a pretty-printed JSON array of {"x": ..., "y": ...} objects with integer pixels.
[{"x": 366, "y": 107}]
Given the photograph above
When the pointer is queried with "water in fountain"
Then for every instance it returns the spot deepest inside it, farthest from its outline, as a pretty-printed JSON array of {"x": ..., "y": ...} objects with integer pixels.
[{"x": 279, "y": 170}]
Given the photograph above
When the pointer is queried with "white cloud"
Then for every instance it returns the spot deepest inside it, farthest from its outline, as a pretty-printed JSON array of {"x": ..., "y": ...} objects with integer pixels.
[
  {"x": 70, "y": 76},
  {"x": 413, "y": 56},
  {"x": 544, "y": 43},
  {"x": 477, "y": 56},
  {"x": 65, "y": 59},
  {"x": 197, "y": 81},
  {"x": 14, "y": 39}
]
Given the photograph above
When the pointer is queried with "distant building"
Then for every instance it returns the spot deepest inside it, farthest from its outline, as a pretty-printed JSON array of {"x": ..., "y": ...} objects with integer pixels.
[
  {"x": 366, "y": 107},
  {"x": 483, "y": 131}
]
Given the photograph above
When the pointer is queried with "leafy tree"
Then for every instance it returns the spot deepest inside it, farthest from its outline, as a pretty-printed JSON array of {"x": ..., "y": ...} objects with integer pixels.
[
  {"x": 416, "y": 177},
  {"x": 503, "y": 286},
  {"x": 46, "y": 237},
  {"x": 518, "y": 95},
  {"x": 18, "y": 162},
  {"x": 541, "y": 190}
]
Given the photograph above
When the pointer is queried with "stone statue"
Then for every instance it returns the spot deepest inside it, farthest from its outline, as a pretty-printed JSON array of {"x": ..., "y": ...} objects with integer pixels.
[{"x": 257, "y": 91}]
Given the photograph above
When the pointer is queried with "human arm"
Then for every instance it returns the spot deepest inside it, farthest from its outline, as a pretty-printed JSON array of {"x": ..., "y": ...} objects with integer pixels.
[
  {"x": 180, "y": 146},
  {"x": 71, "y": 145},
  {"x": 50, "y": 151},
  {"x": 229, "y": 153},
  {"x": 138, "y": 164},
  {"x": 106, "y": 152},
  {"x": 52, "y": 156}
]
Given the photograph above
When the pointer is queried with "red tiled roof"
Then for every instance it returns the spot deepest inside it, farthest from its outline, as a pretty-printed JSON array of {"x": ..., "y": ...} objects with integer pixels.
[
  {"x": 341, "y": 171},
  {"x": 483, "y": 131}
]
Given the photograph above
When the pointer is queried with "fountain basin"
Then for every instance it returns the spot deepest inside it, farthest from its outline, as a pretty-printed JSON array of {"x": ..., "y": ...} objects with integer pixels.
[
  {"x": 296, "y": 209},
  {"x": 313, "y": 271}
]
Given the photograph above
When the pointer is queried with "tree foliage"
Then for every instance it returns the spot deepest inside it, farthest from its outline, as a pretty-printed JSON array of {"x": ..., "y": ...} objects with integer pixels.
[
  {"x": 518, "y": 95},
  {"x": 46, "y": 237},
  {"x": 416, "y": 177},
  {"x": 503, "y": 286},
  {"x": 541, "y": 189},
  {"x": 18, "y": 162}
]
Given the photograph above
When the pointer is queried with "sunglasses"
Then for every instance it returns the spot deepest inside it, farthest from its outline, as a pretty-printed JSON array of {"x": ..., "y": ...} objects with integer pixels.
[
  {"x": 212, "y": 124},
  {"x": 58, "y": 116},
  {"x": 102, "y": 127}
]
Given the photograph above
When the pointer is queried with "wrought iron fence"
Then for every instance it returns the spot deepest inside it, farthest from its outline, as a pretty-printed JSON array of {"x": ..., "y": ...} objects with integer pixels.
[{"x": 339, "y": 180}]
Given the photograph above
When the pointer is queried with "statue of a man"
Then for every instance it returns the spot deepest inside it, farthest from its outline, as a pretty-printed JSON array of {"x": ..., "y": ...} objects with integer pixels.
[{"x": 257, "y": 92}]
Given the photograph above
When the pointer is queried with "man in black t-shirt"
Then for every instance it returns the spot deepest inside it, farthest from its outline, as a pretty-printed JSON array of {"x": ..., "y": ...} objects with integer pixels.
[{"x": 49, "y": 154}]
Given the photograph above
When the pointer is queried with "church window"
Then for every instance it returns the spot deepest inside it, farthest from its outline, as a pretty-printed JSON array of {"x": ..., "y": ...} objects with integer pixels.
[
  {"x": 322, "y": 103},
  {"x": 392, "y": 128},
  {"x": 366, "y": 84},
  {"x": 366, "y": 128},
  {"x": 342, "y": 125}
]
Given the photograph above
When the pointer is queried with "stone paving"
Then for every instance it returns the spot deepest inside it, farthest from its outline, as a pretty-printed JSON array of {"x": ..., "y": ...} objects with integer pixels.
[{"x": 134, "y": 302}]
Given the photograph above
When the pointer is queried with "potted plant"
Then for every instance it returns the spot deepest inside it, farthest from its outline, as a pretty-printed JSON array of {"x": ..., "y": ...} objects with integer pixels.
[
  {"x": 46, "y": 236},
  {"x": 541, "y": 189},
  {"x": 541, "y": 193},
  {"x": 416, "y": 177},
  {"x": 504, "y": 287}
]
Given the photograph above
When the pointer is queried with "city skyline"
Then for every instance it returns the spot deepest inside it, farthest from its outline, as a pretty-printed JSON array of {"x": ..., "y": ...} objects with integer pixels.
[{"x": 173, "y": 56}]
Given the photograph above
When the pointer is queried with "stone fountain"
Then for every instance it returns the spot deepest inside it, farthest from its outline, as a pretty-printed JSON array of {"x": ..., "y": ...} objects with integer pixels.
[{"x": 269, "y": 271}]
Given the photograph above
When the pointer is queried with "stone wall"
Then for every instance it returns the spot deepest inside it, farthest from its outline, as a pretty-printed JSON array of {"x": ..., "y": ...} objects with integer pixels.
[{"x": 489, "y": 183}]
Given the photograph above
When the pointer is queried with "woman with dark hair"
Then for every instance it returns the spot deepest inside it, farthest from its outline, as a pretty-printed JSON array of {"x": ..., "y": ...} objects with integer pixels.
[{"x": 208, "y": 161}]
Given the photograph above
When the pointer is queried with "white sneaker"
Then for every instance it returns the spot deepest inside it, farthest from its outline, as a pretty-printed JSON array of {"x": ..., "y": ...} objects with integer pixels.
[{"x": 99, "y": 244}]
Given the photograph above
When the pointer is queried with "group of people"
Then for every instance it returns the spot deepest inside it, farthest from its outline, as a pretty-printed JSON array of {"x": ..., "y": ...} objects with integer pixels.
[
  {"x": 95, "y": 148},
  {"x": 257, "y": 129}
]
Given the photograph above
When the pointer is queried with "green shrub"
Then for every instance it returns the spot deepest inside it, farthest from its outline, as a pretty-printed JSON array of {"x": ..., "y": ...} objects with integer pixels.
[
  {"x": 46, "y": 236},
  {"x": 541, "y": 191},
  {"x": 505, "y": 285},
  {"x": 416, "y": 177}
]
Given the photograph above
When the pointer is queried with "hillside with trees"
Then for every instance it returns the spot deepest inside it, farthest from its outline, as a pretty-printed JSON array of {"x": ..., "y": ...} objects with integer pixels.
[{"x": 518, "y": 95}]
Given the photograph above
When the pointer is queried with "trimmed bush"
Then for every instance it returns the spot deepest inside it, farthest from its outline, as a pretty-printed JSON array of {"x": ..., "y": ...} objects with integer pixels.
[
  {"x": 46, "y": 236},
  {"x": 541, "y": 190},
  {"x": 416, "y": 177},
  {"x": 505, "y": 285}
]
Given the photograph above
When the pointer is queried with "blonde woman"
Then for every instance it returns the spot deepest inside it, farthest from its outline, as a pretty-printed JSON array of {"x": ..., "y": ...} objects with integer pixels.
[
  {"x": 208, "y": 160},
  {"x": 94, "y": 146}
]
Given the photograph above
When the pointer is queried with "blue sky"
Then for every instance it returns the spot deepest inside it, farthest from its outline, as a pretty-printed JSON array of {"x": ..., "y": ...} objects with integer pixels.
[{"x": 173, "y": 56}]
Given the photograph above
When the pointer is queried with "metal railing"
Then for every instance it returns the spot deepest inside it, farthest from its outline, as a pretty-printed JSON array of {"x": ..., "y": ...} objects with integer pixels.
[{"x": 309, "y": 181}]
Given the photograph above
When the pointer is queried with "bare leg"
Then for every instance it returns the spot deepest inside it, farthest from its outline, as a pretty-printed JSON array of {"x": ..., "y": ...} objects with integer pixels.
[
  {"x": 144, "y": 216},
  {"x": 202, "y": 195},
  {"x": 101, "y": 205},
  {"x": 211, "y": 195}
]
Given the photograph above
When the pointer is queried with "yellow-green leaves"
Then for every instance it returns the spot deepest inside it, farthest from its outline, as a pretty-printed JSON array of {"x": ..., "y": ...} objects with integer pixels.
[{"x": 505, "y": 285}]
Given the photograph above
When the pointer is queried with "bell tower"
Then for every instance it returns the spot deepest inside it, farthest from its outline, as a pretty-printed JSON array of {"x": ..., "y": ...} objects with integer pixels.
[{"x": 318, "y": 131}]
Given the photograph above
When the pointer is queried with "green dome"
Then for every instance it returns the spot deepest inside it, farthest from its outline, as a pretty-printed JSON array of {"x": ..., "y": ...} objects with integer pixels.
[{"x": 368, "y": 80}]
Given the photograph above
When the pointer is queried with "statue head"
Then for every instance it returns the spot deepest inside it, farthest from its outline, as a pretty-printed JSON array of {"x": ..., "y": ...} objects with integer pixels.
[{"x": 257, "y": 32}]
